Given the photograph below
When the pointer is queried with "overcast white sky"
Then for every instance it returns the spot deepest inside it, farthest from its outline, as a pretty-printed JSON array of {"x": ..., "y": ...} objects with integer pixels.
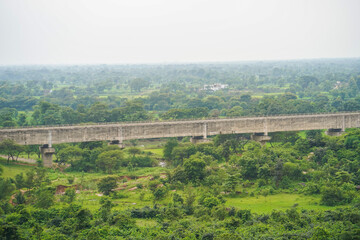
[{"x": 168, "y": 31}]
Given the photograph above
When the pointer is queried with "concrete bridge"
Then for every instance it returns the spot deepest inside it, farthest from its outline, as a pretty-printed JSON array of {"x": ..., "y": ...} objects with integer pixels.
[{"x": 116, "y": 133}]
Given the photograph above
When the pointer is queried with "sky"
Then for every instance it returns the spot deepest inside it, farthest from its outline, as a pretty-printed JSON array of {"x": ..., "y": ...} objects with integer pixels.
[{"x": 176, "y": 31}]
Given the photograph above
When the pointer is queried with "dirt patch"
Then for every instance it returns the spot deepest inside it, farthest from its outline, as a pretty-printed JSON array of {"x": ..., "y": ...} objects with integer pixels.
[
  {"x": 60, "y": 189},
  {"x": 132, "y": 189}
]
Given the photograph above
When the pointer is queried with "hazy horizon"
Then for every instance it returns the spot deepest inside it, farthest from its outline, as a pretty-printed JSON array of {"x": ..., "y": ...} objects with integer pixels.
[
  {"x": 64, "y": 32},
  {"x": 181, "y": 63}
]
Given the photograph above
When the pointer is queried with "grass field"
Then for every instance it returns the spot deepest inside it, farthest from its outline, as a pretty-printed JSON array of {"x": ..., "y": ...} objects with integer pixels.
[
  {"x": 281, "y": 201},
  {"x": 158, "y": 152},
  {"x": 131, "y": 198},
  {"x": 11, "y": 170}
]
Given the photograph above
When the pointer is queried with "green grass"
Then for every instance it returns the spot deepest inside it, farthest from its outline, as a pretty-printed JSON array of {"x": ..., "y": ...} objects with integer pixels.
[
  {"x": 146, "y": 222},
  {"x": 281, "y": 201},
  {"x": 12, "y": 169},
  {"x": 131, "y": 199},
  {"x": 158, "y": 152}
]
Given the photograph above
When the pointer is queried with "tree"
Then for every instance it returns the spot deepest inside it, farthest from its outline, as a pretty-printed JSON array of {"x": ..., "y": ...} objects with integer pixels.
[
  {"x": 181, "y": 152},
  {"x": 332, "y": 196},
  {"x": 177, "y": 198},
  {"x": 19, "y": 198},
  {"x": 194, "y": 168},
  {"x": 83, "y": 217},
  {"x": 231, "y": 182},
  {"x": 133, "y": 151},
  {"x": 70, "y": 155},
  {"x": 159, "y": 192},
  {"x": 11, "y": 148},
  {"x": 20, "y": 181},
  {"x": 7, "y": 116},
  {"x": 168, "y": 148},
  {"x": 98, "y": 112},
  {"x": 36, "y": 177},
  {"x": 302, "y": 145},
  {"x": 137, "y": 84},
  {"x": 235, "y": 112},
  {"x": 106, "y": 185},
  {"x": 105, "y": 209},
  {"x": 22, "y": 119},
  {"x": 44, "y": 196},
  {"x": 70, "y": 195},
  {"x": 110, "y": 160},
  {"x": 6, "y": 188}
]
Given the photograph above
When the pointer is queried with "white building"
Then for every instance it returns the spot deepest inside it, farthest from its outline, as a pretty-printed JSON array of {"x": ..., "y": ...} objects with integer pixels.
[{"x": 215, "y": 87}]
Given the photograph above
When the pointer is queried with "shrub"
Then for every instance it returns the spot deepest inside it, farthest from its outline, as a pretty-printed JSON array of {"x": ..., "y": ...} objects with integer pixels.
[
  {"x": 145, "y": 212},
  {"x": 107, "y": 184},
  {"x": 71, "y": 179}
]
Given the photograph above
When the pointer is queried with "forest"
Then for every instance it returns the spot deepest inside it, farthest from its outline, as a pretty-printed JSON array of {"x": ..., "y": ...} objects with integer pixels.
[{"x": 299, "y": 185}]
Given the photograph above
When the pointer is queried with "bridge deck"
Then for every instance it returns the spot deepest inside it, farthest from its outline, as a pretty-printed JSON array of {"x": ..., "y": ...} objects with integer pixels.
[{"x": 204, "y": 127}]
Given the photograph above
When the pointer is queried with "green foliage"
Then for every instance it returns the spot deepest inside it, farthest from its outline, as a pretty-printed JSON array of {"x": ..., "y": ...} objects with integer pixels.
[
  {"x": 160, "y": 192},
  {"x": 44, "y": 196},
  {"x": 106, "y": 185},
  {"x": 333, "y": 195},
  {"x": 133, "y": 151},
  {"x": 231, "y": 182},
  {"x": 105, "y": 209},
  {"x": 141, "y": 161},
  {"x": 327, "y": 167},
  {"x": 168, "y": 148},
  {"x": 19, "y": 198},
  {"x": 110, "y": 160},
  {"x": 10, "y": 148},
  {"x": 6, "y": 188},
  {"x": 34, "y": 178},
  {"x": 70, "y": 195},
  {"x": 177, "y": 199},
  {"x": 211, "y": 202},
  {"x": 194, "y": 168},
  {"x": 137, "y": 84},
  {"x": 70, "y": 155}
]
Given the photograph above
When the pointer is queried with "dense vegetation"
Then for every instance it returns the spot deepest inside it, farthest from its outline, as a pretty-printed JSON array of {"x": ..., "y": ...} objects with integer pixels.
[
  {"x": 77, "y": 94},
  {"x": 190, "y": 199},
  {"x": 300, "y": 185}
]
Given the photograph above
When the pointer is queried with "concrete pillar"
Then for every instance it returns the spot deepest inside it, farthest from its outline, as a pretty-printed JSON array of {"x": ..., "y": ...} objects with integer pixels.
[
  {"x": 262, "y": 138},
  {"x": 46, "y": 155},
  {"x": 117, "y": 142},
  {"x": 205, "y": 131},
  {"x": 334, "y": 132}
]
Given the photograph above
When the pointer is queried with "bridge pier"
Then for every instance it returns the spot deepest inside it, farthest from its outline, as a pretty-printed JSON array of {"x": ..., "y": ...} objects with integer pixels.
[
  {"x": 46, "y": 154},
  {"x": 117, "y": 142},
  {"x": 334, "y": 132},
  {"x": 262, "y": 138}
]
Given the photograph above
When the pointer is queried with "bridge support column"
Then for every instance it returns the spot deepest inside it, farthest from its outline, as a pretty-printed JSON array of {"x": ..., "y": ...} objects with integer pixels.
[
  {"x": 262, "y": 138},
  {"x": 335, "y": 132},
  {"x": 117, "y": 142},
  {"x": 46, "y": 155}
]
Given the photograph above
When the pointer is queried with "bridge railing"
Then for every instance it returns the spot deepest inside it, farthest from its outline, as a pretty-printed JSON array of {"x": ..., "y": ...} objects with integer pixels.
[{"x": 178, "y": 120}]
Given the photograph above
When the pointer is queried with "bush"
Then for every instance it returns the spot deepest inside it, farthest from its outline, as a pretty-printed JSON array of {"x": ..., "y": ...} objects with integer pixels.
[
  {"x": 71, "y": 179},
  {"x": 142, "y": 161},
  {"x": 106, "y": 185},
  {"x": 311, "y": 188},
  {"x": 145, "y": 212},
  {"x": 211, "y": 202},
  {"x": 332, "y": 196},
  {"x": 159, "y": 193}
]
